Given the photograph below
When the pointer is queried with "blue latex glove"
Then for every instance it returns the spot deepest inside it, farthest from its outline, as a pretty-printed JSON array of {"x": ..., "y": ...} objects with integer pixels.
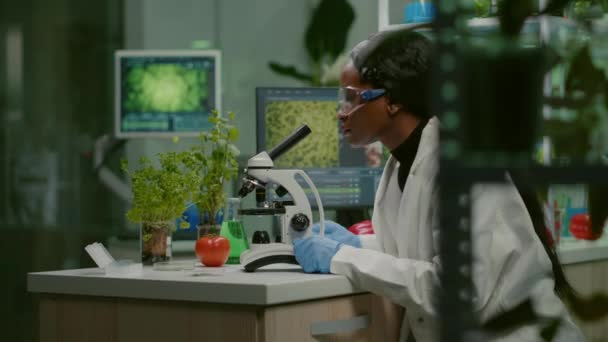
[
  {"x": 338, "y": 233},
  {"x": 314, "y": 253}
]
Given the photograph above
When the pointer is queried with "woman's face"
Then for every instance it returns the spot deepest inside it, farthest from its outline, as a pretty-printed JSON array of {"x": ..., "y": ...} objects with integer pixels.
[{"x": 367, "y": 121}]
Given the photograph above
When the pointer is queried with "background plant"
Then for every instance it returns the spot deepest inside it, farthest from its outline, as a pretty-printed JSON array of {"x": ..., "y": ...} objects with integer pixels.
[
  {"x": 325, "y": 41},
  {"x": 211, "y": 164}
]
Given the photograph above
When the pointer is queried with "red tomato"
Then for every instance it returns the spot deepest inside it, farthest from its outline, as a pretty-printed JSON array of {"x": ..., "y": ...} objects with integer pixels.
[
  {"x": 212, "y": 250},
  {"x": 580, "y": 227}
]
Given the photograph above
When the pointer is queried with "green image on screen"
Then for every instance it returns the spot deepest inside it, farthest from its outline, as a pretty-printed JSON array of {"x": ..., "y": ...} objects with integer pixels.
[
  {"x": 167, "y": 88},
  {"x": 320, "y": 148}
]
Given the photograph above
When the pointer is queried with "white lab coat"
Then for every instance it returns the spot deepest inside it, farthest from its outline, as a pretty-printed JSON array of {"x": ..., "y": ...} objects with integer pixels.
[{"x": 401, "y": 260}]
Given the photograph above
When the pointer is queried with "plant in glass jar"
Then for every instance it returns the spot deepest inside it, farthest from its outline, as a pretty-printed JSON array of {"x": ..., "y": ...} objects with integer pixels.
[
  {"x": 160, "y": 195},
  {"x": 212, "y": 163}
]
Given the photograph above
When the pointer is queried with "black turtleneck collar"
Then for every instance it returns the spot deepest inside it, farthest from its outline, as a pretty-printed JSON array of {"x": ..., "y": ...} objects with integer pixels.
[{"x": 406, "y": 152}]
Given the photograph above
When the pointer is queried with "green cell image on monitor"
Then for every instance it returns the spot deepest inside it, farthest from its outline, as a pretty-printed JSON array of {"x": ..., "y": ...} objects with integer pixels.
[
  {"x": 320, "y": 149},
  {"x": 165, "y": 93},
  {"x": 345, "y": 176}
]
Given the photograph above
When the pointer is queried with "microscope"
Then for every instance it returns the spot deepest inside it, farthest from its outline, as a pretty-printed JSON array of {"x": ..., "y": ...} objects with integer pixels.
[{"x": 295, "y": 215}]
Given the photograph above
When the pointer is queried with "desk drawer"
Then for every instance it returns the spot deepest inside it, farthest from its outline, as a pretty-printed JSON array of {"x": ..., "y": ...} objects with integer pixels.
[{"x": 353, "y": 318}]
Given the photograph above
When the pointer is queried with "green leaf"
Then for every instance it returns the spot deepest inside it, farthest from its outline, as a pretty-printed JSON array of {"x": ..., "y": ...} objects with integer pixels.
[
  {"x": 482, "y": 8},
  {"x": 327, "y": 32},
  {"x": 233, "y": 134},
  {"x": 124, "y": 165}
]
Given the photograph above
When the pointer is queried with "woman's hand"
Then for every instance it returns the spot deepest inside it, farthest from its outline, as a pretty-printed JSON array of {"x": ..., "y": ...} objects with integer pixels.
[
  {"x": 314, "y": 253},
  {"x": 338, "y": 233}
]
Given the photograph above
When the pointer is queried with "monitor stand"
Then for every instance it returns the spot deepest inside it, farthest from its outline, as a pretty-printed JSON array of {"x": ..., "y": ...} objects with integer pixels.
[{"x": 104, "y": 146}]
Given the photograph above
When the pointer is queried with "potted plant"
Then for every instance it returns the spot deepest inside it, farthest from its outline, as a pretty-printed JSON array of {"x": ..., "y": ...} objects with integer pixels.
[
  {"x": 160, "y": 194},
  {"x": 212, "y": 163}
]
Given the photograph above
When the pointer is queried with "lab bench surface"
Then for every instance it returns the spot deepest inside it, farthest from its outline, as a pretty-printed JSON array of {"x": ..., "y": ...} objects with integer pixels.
[
  {"x": 229, "y": 284},
  {"x": 570, "y": 250},
  {"x": 223, "y": 304}
]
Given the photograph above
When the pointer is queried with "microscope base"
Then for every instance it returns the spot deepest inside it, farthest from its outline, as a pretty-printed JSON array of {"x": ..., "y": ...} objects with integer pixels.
[{"x": 261, "y": 255}]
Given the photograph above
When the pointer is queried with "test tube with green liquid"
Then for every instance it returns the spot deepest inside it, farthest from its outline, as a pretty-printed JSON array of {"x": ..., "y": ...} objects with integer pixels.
[{"x": 233, "y": 230}]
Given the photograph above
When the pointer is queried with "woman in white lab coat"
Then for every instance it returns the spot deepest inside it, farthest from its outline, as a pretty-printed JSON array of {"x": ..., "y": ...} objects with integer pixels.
[{"x": 384, "y": 95}]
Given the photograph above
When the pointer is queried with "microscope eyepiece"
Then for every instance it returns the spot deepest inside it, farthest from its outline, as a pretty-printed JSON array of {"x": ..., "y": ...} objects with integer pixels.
[{"x": 289, "y": 142}]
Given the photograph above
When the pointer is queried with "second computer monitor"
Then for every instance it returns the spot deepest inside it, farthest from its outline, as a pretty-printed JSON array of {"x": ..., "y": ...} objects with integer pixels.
[{"x": 346, "y": 177}]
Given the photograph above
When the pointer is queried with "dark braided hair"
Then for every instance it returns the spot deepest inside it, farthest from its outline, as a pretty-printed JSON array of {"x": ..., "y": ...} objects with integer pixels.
[{"x": 400, "y": 62}]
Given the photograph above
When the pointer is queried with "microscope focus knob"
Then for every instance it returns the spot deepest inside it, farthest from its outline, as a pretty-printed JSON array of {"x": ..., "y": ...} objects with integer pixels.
[{"x": 300, "y": 222}]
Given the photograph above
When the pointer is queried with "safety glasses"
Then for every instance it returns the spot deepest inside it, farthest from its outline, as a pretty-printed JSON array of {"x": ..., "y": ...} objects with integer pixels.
[{"x": 351, "y": 98}]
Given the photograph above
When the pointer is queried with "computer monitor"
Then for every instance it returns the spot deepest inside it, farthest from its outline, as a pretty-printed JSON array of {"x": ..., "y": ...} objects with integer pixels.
[
  {"x": 165, "y": 93},
  {"x": 346, "y": 177}
]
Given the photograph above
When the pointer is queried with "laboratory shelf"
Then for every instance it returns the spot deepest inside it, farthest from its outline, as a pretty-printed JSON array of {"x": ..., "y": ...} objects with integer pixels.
[{"x": 489, "y": 25}]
